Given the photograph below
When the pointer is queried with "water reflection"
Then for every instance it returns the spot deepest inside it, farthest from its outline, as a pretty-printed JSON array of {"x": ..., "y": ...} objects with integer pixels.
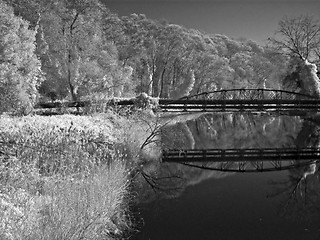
[
  {"x": 295, "y": 191},
  {"x": 233, "y": 131},
  {"x": 300, "y": 193},
  {"x": 225, "y": 131}
]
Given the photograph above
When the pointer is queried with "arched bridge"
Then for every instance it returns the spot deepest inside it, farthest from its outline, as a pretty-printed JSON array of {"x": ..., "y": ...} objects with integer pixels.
[
  {"x": 250, "y": 94},
  {"x": 242, "y": 100},
  {"x": 244, "y": 160}
]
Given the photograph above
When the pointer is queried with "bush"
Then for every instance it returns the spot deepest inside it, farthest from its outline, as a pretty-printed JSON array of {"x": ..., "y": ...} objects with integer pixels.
[{"x": 143, "y": 101}]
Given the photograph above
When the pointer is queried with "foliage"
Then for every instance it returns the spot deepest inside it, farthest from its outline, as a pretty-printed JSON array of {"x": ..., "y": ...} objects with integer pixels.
[
  {"x": 20, "y": 72},
  {"x": 85, "y": 49},
  {"x": 77, "y": 53},
  {"x": 301, "y": 76},
  {"x": 166, "y": 58},
  {"x": 143, "y": 101}
]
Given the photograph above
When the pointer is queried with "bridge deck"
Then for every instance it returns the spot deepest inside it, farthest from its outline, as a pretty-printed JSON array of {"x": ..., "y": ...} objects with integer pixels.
[
  {"x": 236, "y": 155},
  {"x": 196, "y": 105}
]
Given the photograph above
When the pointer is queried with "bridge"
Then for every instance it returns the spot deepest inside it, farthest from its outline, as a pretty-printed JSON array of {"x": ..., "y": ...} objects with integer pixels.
[
  {"x": 249, "y": 100},
  {"x": 244, "y": 160},
  {"x": 231, "y": 100}
]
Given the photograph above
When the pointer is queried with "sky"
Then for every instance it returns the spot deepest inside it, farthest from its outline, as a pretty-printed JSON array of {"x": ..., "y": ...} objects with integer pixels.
[{"x": 252, "y": 19}]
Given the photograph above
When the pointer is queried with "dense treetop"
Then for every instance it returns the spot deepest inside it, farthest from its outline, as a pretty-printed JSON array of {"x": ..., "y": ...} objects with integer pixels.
[{"x": 80, "y": 49}]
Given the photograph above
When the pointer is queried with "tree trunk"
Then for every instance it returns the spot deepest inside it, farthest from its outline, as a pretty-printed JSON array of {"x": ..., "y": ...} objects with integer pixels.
[
  {"x": 161, "y": 83},
  {"x": 72, "y": 88}
]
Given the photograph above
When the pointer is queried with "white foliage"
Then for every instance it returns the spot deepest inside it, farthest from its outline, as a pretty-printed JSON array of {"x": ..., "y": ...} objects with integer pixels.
[{"x": 311, "y": 82}]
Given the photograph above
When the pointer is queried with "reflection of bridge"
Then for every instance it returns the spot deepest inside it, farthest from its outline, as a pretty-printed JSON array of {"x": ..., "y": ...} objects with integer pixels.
[
  {"x": 244, "y": 160},
  {"x": 243, "y": 100}
]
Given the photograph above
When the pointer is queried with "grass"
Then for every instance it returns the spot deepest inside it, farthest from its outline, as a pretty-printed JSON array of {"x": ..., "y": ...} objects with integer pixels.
[
  {"x": 86, "y": 207},
  {"x": 64, "y": 177}
]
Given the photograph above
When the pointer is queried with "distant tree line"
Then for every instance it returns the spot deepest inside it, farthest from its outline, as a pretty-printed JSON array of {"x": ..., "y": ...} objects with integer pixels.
[{"x": 79, "y": 49}]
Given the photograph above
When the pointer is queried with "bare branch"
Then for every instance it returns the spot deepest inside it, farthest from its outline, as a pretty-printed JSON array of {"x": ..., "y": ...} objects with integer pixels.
[{"x": 299, "y": 35}]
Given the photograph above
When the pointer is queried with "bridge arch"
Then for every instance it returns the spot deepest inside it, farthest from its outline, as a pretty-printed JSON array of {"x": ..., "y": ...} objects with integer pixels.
[
  {"x": 250, "y": 94},
  {"x": 252, "y": 167}
]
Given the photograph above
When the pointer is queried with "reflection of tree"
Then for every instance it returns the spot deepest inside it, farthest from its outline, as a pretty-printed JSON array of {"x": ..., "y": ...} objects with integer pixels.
[
  {"x": 301, "y": 192},
  {"x": 169, "y": 180},
  {"x": 165, "y": 182},
  {"x": 309, "y": 135},
  {"x": 235, "y": 131},
  {"x": 177, "y": 136},
  {"x": 302, "y": 188}
]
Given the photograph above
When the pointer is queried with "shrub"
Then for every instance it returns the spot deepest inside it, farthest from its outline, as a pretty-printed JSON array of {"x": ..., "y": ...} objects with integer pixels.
[{"x": 143, "y": 101}]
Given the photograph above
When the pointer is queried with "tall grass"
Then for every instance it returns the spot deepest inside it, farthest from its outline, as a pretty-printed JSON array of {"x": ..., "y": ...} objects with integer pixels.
[
  {"x": 62, "y": 179},
  {"x": 90, "y": 206}
]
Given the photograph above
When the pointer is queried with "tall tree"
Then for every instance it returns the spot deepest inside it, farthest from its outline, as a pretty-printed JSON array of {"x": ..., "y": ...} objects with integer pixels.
[
  {"x": 78, "y": 57},
  {"x": 73, "y": 38},
  {"x": 137, "y": 49},
  {"x": 158, "y": 52},
  {"x": 299, "y": 36},
  {"x": 173, "y": 60},
  {"x": 20, "y": 69}
]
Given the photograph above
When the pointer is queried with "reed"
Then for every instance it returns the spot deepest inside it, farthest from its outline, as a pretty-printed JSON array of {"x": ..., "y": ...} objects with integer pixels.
[{"x": 61, "y": 178}]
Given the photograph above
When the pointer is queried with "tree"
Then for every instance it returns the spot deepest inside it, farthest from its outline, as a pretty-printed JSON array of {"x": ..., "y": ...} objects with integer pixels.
[
  {"x": 269, "y": 68},
  {"x": 299, "y": 36},
  {"x": 20, "y": 69},
  {"x": 138, "y": 48},
  {"x": 174, "y": 61},
  {"x": 78, "y": 57},
  {"x": 159, "y": 53},
  {"x": 246, "y": 64},
  {"x": 75, "y": 50},
  {"x": 211, "y": 72}
]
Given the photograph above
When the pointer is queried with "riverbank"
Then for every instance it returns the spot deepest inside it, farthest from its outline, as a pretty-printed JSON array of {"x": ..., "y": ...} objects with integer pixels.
[{"x": 68, "y": 177}]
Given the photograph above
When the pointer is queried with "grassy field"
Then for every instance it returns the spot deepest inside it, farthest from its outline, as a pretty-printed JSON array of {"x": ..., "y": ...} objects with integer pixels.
[{"x": 68, "y": 177}]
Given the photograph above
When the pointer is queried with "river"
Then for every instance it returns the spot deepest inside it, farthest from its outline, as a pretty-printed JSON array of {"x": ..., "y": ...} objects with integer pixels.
[{"x": 175, "y": 201}]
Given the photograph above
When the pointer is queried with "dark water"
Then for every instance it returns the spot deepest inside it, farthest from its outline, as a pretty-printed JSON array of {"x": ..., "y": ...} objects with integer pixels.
[{"x": 181, "y": 202}]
